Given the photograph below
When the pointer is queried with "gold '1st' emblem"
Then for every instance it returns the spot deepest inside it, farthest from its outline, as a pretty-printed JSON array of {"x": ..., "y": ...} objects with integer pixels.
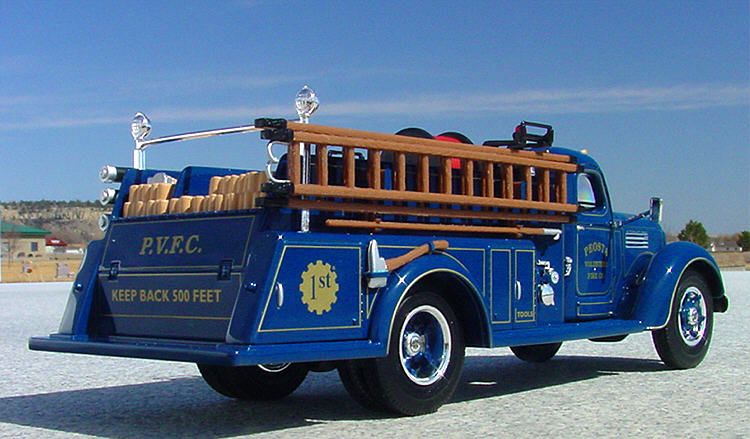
[{"x": 319, "y": 287}]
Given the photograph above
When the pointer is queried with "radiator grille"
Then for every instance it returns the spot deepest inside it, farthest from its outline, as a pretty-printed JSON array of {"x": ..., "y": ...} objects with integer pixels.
[{"x": 636, "y": 240}]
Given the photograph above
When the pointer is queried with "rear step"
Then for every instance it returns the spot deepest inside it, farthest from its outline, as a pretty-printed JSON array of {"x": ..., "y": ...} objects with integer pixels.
[{"x": 209, "y": 353}]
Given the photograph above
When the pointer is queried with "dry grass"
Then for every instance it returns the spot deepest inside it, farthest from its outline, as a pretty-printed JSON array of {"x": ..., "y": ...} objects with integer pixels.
[
  {"x": 42, "y": 270},
  {"x": 732, "y": 259}
]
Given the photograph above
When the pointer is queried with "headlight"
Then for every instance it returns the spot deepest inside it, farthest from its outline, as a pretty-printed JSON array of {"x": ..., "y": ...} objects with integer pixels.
[
  {"x": 111, "y": 174},
  {"x": 104, "y": 222},
  {"x": 108, "y": 196}
]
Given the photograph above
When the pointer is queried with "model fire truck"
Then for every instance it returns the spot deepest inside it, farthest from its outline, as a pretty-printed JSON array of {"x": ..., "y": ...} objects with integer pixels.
[{"x": 382, "y": 256}]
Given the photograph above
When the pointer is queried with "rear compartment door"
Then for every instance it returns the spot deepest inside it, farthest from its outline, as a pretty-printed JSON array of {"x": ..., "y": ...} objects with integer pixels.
[
  {"x": 315, "y": 292},
  {"x": 172, "y": 278}
]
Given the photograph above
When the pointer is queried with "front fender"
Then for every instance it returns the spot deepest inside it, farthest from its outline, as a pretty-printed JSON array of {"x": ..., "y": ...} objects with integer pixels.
[
  {"x": 400, "y": 282},
  {"x": 663, "y": 275}
]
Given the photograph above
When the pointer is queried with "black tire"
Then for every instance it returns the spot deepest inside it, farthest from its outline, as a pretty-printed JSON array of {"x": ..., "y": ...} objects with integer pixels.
[
  {"x": 684, "y": 341},
  {"x": 428, "y": 339},
  {"x": 255, "y": 383},
  {"x": 356, "y": 375},
  {"x": 536, "y": 353},
  {"x": 415, "y": 132},
  {"x": 217, "y": 380}
]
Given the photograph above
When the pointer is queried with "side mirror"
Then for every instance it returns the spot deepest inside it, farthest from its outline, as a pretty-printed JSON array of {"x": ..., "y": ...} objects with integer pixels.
[
  {"x": 655, "y": 210},
  {"x": 653, "y": 213}
]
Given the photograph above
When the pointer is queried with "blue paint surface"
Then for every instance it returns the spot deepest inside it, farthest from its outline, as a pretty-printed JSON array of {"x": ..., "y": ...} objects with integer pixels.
[{"x": 246, "y": 287}]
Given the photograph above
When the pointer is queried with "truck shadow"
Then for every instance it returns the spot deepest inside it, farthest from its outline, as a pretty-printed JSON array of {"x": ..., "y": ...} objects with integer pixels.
[
  {"x": 187, "y": 407},
  {"x": 490, "y": 376}
]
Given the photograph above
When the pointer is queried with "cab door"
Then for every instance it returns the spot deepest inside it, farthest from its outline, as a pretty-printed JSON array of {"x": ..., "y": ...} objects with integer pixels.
[{"x": 593, "y": 251}]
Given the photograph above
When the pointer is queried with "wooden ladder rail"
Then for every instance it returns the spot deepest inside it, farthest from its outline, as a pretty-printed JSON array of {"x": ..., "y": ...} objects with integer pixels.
[{"x": 487, "y": 158}]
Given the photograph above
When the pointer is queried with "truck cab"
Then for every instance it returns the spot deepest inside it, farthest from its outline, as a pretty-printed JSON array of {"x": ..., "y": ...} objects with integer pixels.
[{"x": 382, "y": 256}]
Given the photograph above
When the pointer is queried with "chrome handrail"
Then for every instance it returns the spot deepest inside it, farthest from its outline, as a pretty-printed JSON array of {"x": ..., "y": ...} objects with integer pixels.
[
  {"x": 139, "y": 153},
  {"x": 197, "y": 135},
  {"x": 306, "y": 103}
]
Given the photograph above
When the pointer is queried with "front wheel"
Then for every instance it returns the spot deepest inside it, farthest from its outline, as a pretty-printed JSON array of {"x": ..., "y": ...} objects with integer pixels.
[
  {"x": 425, "y": 357},
  {"x": 264, "y": 382},
  {"x": 684, "y": 341},
  {"x": 537, "y": 353}
]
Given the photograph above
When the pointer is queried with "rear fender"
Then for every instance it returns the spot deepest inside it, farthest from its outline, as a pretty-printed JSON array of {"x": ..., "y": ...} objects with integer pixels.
[
  {"x": 654, "y": 303},
  {"x": 76, "y": 317},
  {"x": 464, "y": 297}
]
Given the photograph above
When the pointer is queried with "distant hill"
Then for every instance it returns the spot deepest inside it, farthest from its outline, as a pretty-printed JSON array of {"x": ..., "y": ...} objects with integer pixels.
[{"x": 72, "y": 221}]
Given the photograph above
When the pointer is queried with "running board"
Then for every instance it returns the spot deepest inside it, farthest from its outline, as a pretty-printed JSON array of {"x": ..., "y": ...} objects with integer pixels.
[{"x": 565, "y": 332}]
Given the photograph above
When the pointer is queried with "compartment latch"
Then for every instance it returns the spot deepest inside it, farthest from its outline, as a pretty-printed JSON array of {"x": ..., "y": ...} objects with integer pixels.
[
  {"x": 225, "y": 269},
  {"x": 114, "y": 270}
]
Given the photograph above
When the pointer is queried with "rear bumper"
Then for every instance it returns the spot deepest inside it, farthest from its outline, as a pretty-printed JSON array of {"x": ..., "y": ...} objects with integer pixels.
[{"x": 221, "y": 354}]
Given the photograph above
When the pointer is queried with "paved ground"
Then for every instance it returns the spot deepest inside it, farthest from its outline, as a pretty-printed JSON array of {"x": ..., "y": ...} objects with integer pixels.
[{"x": 588, "y": 390}]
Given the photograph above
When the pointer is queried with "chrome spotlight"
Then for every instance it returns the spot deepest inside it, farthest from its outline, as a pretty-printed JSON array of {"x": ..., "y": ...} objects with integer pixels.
[
  {"x": 306, "y": 103},
  {"x": 140, "y": 127}
]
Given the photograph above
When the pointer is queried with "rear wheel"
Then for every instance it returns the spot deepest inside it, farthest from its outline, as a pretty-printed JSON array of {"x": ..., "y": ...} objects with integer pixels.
[
  {"x": 426, "y": 355},
  {"x": 356, "y": 375},
  {"x": 684, "y": 341},
  {"x": 537, "y": 353},
  {"x": 263, "y": 382}
]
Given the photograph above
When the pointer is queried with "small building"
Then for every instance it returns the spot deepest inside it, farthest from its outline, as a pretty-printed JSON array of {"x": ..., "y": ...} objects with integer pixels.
[
  {"x": 56, "y": 246},
  {"x": 19, "y": 241},
  {"x": 724, "y": 247}
]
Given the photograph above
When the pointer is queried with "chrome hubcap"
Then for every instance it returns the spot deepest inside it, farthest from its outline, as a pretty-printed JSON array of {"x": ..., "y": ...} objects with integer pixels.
[
  {"x": 425, "y": 345},
  {"x": 274, "y": 367},
  {"x": 414, "y": 344},
  {"x": 692, "y": 316}
]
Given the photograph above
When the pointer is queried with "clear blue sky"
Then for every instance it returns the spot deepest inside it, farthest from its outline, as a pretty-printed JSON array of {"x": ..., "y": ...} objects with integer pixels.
[{"x": 659, "y": 92}]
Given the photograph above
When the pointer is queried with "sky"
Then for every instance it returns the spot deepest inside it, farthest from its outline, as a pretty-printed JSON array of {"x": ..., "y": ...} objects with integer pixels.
[{"x": 658, "y": 92}]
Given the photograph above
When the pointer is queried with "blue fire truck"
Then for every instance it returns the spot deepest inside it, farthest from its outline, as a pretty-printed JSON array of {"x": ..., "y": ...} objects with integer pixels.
[{"x": 382, "y": 256}]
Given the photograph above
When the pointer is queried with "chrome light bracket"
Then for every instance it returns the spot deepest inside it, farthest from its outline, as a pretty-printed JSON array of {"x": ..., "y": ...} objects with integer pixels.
[
  {"x": 377, "y": 275},
  {"x": 273, "y": 161},
  {"x": 306, "y": 103}
]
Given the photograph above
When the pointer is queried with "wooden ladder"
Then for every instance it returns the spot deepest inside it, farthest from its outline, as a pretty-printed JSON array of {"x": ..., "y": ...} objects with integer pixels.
[{"x": 496, "y": 184}]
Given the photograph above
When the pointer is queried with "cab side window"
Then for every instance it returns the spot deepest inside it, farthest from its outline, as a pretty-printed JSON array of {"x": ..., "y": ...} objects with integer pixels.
[{"x": 586, "y": 194}]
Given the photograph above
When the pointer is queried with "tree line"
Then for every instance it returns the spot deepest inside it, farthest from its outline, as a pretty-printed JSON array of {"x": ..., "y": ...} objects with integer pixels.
[
  {"x": 696, "y": 233},
  {"x": 46, "y": 204}
]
